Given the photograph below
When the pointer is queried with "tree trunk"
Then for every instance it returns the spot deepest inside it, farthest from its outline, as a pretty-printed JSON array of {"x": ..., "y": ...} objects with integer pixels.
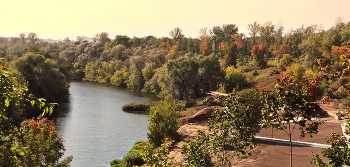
[{"x": 291, "y": 155}]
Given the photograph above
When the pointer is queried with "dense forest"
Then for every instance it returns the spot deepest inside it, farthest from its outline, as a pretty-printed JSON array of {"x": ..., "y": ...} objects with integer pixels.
[
  {"x": 181, "y": 68},
  {"x": 178, "y": 67}
]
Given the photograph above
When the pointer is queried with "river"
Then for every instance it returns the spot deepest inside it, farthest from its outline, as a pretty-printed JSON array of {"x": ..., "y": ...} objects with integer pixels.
[{"x": 94, "y": 127}]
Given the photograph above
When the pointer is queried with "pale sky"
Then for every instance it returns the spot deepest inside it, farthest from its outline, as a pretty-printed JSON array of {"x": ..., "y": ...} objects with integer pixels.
[{"x": 58, "y": 19}]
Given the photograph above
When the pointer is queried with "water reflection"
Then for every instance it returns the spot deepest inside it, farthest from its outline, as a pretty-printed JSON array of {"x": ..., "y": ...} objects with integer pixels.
[{"x": 95, "y": 128}]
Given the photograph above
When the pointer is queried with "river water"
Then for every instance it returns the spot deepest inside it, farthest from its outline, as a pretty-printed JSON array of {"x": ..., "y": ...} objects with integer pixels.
[{"x": 95, "y": 128}]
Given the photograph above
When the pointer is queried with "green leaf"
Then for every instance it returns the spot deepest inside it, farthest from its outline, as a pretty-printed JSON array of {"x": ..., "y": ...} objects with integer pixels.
[
  {"x": 7, "y": 102},
  {"x": 32, "y": 102},
  {"x": 50, "y": 110},
  {"x": 46, "y": 110}
]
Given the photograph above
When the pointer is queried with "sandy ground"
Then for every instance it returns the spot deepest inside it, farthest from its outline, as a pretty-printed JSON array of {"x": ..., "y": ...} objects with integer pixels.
[{"x": 271, "y": 154}]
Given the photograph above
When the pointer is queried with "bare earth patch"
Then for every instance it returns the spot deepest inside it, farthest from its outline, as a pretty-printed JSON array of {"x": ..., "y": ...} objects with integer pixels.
[{"x": 270, "y": 154}]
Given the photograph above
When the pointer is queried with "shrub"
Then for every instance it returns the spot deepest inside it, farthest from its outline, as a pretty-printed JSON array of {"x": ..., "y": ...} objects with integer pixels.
[
  {"x": 163, "y": 119},
  {"x": 296, "y": 71},
  {"x": 287, "y": 60},
  {"x": 255, "y": 72},
  {"x": 133, "y": 157},
  {"x": 234, "y": 79},
  {"x": 116, "y": 163},
  {"x": 190, "y": 102},
  {"x": 275, "y": 71}
]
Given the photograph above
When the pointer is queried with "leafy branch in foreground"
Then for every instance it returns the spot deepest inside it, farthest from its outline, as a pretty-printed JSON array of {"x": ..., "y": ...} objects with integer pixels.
[
  {"x": 231, "y": 128},
  {"x": 338, "y": 154},
  {"x": 197, "y": 151},
  {"x": 159, "y": 156},
  {"x": 290, "y": 104},
  {"x": 14, "y": 97}
]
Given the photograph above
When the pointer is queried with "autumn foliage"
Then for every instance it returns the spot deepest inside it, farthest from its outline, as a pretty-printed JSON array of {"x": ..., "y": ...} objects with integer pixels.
[
  {"x": 258, "y": 53},
  {"x": 337, "y": 52},
  {"x": 206, "y": 47},
  {"x": 41, "y": 144},
  {"x": 282, "y": 50}
]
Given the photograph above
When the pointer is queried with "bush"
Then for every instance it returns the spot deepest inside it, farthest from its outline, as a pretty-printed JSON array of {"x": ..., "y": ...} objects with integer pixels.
[
  {"x": 275, "y": 71},
  {"x": 190, "y": 102},
  {"x": 255, "y": 72},
  {"x": 133, "y": 157},
  {"x": 234, "y": 79},
  {"x": 116, "y": 163},
  {"x": 296, "y": 71},
  {"x": 287, "y": 60},
  {"x": 163, "y": 119}
]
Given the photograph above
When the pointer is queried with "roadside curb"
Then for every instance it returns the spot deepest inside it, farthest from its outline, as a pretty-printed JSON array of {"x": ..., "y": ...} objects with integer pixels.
[{"x": 295, "y": 143}]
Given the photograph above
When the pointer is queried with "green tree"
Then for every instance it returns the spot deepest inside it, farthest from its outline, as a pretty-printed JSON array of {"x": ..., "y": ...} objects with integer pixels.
[
  {"x": 78, "y": 72},
  {"x": 345, "y": 35},
  {"x": 290, "y": 104},
  {"x": 43, "y": 76},
  {"x": 293, "y": 39},
  {"x": 181, "y": 77},
  {"x": 232, "y": 127},
  {"x": 278, "y": 35},
  {"x": 311, "y": 49},
  {"x": 254, "y": 31},
  {"x": 266, "y": 33},
  {"x": 231, "y": 53},
  {"x": 222, "y": 34},
  {"x": 123, "y": 40},
  {"x": 163, "y": 119},
  {"x": 105, "y": 72},
  {"x": 136, "y": 80},
  {"x": 120, "y": 77},
  {"x": 91, "y": 71},
  {"x": 176, "y": 33},
  {"x": 210, "y": 73}
]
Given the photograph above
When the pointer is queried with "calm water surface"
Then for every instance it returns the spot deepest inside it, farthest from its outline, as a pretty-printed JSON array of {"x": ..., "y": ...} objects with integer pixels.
[{"x": 95, "y": 128}]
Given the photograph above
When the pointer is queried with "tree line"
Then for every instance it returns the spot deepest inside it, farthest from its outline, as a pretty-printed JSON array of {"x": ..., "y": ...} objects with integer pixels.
[{"x": 178, "y": 67}]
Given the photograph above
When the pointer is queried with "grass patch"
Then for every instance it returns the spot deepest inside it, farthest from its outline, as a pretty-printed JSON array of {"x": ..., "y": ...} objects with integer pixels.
[
  {"x": 139, "y": 106},
  {"x": 272, "y": 62}
]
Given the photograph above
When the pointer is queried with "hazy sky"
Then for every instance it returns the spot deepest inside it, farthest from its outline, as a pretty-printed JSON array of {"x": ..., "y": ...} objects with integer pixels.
[{"x": 58, "y": 19}]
